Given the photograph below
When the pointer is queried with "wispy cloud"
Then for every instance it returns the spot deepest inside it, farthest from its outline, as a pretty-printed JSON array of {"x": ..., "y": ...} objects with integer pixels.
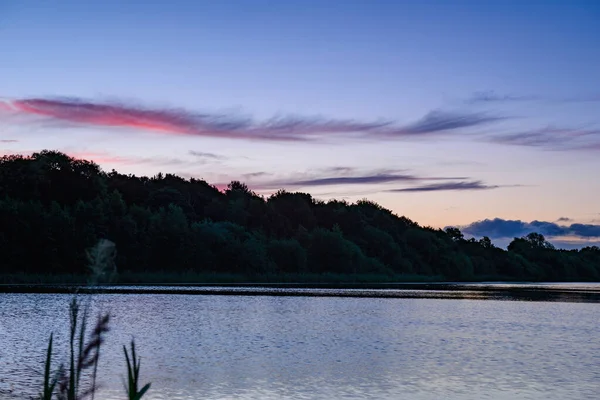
[
  {"x": 364, "y": 179},
  {"x": 206, "y": 155},
  {"x": 490, "y": 96},
  {"x": 61, "y": 112},
  {"x": 339, "y": 176},
  {"x": 258, "y": 174},
  {"x": 445, "y": 186},
  {"x": 565, "y": 138},
  {"x": 373, "y": 181},
  {"x": 8, "y": 140},
  {"x": 553, "y": 138},
  {"x": 76, "y": 111},
  {"x": 339, "y": 170},
  {"x": 501, "y": 228},
  {"x": 438, "y": 121}
]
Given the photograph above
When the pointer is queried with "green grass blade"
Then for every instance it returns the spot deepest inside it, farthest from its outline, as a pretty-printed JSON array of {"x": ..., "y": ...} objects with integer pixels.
[
  {"x": 133, "y": 374},
  {"x": 143, "y": 391},
  {"x": 49, "y": 383}
]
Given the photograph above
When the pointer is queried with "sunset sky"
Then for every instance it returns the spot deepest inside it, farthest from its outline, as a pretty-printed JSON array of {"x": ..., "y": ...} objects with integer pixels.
[{"x": 478, "y": 114}]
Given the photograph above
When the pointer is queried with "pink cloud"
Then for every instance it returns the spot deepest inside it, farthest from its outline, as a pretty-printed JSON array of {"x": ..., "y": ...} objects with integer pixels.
[{"x": 183, "y": 122}]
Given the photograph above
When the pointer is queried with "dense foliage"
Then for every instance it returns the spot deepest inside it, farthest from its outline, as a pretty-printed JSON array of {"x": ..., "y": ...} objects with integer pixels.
[{"x": 53, "y": 207}]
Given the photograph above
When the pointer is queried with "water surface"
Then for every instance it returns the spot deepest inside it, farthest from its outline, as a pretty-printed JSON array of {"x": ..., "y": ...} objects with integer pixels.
[{"x": 319, "y": 347}]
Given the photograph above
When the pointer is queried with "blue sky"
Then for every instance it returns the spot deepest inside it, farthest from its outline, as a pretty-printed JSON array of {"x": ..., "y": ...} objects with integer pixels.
[{"x": 448, "y": 112}]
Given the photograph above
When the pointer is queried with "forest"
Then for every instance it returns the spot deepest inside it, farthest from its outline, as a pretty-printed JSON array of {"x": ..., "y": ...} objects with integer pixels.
[{"x": 54, "y": 207}]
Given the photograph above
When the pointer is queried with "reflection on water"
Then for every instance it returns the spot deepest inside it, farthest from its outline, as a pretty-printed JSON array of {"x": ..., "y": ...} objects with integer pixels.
[{"x": 274, "y": 347}]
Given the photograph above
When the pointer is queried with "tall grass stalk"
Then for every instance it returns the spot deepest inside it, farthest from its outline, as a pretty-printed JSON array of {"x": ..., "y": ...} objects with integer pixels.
[
  {"x": 133, "y": 375},
  {"x": 49, "y": 383},
  {"x": 84, "y": 355}
]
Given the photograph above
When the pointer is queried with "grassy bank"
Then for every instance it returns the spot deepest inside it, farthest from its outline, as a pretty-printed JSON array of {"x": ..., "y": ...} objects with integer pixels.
[
  {"x": 191, "y": 278},
  {"x": 169, "y": 278}
]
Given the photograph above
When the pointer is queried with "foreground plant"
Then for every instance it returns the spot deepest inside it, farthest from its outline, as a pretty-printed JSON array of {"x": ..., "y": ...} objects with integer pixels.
[
  {"x": 49, "y": 383},
  {"x": 133, "y": 375},
  {"x": 83, "y": 355},
  {"x": 67, "y": 384}
]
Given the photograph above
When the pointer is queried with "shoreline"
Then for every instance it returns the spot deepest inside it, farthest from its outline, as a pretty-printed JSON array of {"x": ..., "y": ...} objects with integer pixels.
[{"x": 507, "y": 291}]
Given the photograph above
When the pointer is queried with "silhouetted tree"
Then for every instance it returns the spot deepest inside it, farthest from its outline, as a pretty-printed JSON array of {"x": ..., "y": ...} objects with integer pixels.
[{"x": 53, "y": 207}]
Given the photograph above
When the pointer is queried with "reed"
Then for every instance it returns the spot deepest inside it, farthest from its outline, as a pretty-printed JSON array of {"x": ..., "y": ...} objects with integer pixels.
[
  {"x": 67, "y": 382},
  {"x": 49, "y": 382},
  {"x": 133, "y": 375}
]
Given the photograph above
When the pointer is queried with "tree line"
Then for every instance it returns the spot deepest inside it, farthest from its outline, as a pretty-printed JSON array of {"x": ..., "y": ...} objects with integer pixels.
[{"x": 54, "y": 207}]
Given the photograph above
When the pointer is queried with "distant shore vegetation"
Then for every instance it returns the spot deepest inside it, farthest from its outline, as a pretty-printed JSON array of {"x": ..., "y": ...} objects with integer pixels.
[{"x": 168, "y": 229}]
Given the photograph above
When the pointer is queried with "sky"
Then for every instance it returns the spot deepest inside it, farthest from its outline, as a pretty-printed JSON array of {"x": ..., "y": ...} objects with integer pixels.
[{"x": 479, "y": 114}]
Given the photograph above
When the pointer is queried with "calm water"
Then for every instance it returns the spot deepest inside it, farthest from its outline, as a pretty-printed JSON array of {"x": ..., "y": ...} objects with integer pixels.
[{"x": 277, "y": 347}]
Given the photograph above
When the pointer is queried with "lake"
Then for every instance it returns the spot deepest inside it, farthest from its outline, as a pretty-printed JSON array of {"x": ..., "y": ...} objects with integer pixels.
[{"x": 377, "y": 343}]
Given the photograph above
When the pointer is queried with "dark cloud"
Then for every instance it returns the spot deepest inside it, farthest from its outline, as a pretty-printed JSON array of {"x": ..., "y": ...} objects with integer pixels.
[
  {"x": 497, "y": 228},
  {"x": 564, "y": 219},
  {"x": 585, "y": 230},
  {"x": 72, "y": 111},
  {"x": 501, "y": 228},
  {"x": 464, "y": 185},
  {"x": 547, "y": 228},
  {"x": 438, "y": 121},
  {"x": 490, "y": 96}
]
